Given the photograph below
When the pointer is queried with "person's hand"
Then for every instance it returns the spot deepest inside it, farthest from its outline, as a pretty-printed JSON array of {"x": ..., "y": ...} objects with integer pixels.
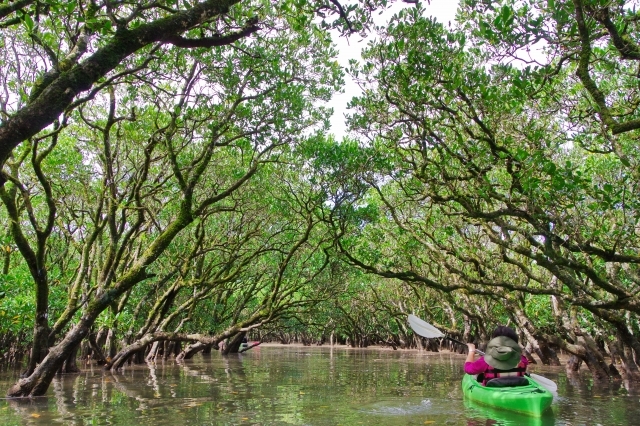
[{"x": 472, "y": 347}]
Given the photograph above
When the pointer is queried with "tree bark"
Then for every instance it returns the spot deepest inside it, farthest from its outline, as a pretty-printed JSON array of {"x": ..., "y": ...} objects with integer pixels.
[
  {"x": 594, "y": 359},
  {"x": 573, "y": 364},
  {"x": 585, "y": 352},
  {"x": 234, "y": 345},
  {"x": 527, "y": 353},
  {"x": 38, "y": 382},
  {"x": 621, "y": 352},
  {"x": 110, "y": 344},
  {"x": 96, "y": 349},
  {"x": 547, "y": 355},
  {"x": 158, "y": 337},
  {"x": 548, "y": 352},
  {"x": 70, "y": 364},
  {"x": 191, "y": 350},
  {"x": 153, "y": 352}
]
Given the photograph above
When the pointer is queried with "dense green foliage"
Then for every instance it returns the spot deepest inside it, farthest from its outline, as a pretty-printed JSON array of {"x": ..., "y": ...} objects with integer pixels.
[{"x": 506, "y": 178}]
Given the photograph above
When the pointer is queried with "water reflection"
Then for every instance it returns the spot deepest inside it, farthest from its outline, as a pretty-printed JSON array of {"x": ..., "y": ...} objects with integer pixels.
[{"x": 303, "y": 386}]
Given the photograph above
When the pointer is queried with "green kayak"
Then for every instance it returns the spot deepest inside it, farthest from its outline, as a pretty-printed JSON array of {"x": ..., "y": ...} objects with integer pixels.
[{"x": 532, "y": 399}]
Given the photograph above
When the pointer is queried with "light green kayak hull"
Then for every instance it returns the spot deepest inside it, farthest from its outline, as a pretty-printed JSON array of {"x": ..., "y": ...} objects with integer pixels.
[{"x": 532, "y": 400}]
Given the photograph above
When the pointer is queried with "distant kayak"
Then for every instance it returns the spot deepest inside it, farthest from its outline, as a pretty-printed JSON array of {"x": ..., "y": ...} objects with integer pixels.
[{"x": 532, "y": 399}]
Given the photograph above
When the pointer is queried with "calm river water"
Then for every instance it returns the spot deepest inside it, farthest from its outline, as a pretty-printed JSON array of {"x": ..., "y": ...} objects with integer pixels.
[{"x": 295, "y": 385}]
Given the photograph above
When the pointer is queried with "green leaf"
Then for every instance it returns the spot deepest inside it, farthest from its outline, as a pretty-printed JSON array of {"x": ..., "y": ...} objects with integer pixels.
[
  {"x": 549, "y": 168},
  {"x": 28, "y": 22},
  {"x": 521, "y": 154}
]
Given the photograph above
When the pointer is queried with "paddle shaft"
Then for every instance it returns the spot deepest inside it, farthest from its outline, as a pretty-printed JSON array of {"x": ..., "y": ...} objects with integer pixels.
[{"x": 463, "y": 344}]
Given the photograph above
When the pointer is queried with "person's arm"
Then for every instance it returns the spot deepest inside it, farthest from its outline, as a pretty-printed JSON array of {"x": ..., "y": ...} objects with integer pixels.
[
  {"x": 472, "y": 365},
  {"x": 471, "y": 356}
]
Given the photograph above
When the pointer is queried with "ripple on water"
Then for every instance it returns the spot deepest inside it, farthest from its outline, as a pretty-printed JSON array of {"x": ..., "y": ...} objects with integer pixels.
[{"x": 399, "y": 408}]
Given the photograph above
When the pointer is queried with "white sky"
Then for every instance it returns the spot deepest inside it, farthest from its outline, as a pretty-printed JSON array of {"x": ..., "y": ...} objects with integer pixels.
[{"x": 443, "y": 10}]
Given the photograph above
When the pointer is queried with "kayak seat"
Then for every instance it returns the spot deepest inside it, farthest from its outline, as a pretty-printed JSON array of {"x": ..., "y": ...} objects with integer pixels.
[{"x": 507, "y": 382}]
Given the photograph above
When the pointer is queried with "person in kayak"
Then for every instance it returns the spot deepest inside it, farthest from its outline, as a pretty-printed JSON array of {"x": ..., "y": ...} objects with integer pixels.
[{"x": 503, "y": 363}]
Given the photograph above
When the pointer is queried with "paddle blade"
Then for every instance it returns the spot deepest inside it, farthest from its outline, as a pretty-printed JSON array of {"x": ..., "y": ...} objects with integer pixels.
[
  {"x": 550, "y": 385},
  {"x": 423, "y": 328}
]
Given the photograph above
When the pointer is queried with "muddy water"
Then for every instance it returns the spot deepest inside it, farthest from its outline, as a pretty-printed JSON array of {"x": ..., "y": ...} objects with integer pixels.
[{"x": 285, "y": 385}]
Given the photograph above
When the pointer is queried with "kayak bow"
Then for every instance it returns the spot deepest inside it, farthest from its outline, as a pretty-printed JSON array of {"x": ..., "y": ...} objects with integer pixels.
[{"x": 531, "y": 400}]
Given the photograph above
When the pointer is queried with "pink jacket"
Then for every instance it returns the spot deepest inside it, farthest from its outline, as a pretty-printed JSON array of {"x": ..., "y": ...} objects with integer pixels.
[{"x": 480, "y": 366}]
